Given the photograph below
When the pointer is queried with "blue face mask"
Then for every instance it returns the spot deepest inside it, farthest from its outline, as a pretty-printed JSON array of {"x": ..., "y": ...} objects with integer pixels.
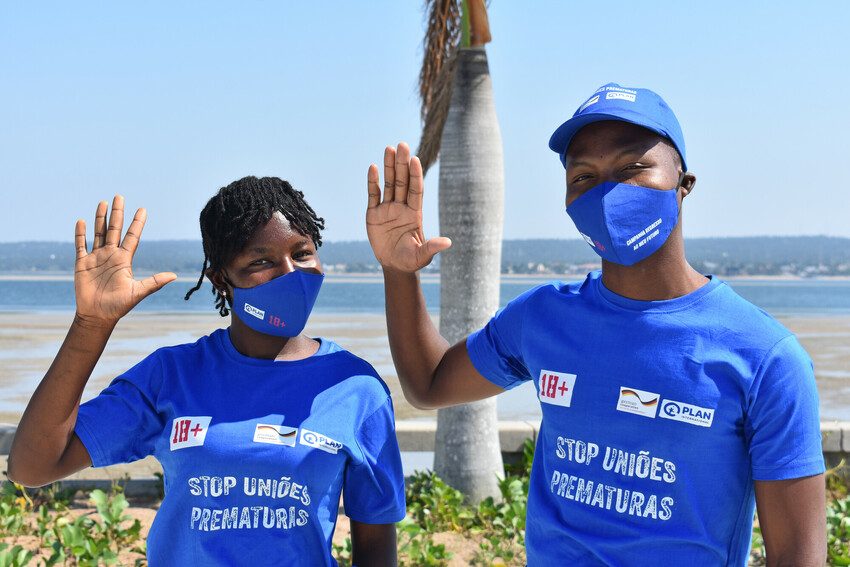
[
  {"x": 281, "y": 306},
  {"x": 624, "y": 223}
]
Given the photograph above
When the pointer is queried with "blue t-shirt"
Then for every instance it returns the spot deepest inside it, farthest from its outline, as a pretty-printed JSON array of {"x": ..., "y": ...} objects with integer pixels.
[
  {"x": 255, "y": 452},
  {"x": 657, "y": 418}
]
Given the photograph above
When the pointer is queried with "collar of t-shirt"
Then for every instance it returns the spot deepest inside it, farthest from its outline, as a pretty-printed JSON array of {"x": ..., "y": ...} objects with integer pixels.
[
  {"x": 660, "y": 306},
  {"x": 325, "y": 347}
]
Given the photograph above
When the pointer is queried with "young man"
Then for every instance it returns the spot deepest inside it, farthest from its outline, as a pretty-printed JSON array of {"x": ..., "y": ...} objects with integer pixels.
[{"x": 671, "y": 406}]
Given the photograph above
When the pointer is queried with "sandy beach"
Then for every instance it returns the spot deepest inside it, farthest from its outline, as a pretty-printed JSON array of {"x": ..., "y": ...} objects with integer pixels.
[{"x": 28, "y": 342}]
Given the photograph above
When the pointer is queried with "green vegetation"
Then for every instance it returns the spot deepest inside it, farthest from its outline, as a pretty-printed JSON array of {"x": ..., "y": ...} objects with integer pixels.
[
  {"x": 43, "y": 528},
  {"x": 434, "y": 508}
]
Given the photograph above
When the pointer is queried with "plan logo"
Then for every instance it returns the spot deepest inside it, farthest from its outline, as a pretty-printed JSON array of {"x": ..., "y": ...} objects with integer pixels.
[
  {"x": 687, "y": 413},
  {"x": 638, "y": 402},
  {"x": 319, "y": 441},
  {"x": 556, "y": 388},
  {"x": 189, "y": 431},
  {"x": 621, "y": 96},
  {"x": 275, "y": 434},
  {"x": 258, "y": 313}
]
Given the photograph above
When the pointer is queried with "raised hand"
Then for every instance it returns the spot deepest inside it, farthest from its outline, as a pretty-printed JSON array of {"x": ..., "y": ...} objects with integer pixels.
[
  {"x": 394, "y": 224},
  {"x": 103, "y": 278}
]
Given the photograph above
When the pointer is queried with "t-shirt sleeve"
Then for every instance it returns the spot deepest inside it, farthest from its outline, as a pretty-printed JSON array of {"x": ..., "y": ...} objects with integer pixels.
[
  {"x": 121, "y": 424},
  {"x": 783, "y": 423},
  {"x": 496, "y": 350},
  {"x": 373, "y": 489}
]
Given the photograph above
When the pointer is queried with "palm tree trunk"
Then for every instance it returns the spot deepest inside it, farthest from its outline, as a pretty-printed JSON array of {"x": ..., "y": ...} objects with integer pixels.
[{"x": 471, "y": 190}]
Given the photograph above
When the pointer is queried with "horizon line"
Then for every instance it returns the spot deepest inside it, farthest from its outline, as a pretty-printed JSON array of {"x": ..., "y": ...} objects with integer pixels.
[{"x": 366, "y": 241}]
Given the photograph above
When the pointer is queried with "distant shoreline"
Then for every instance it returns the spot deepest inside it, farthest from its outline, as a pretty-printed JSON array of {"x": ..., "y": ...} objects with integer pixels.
[{"x": 370, "y": 277}]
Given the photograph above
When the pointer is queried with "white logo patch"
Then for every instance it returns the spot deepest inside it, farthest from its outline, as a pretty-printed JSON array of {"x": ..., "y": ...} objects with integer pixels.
[
  {"x": 622, "y": 96},
  {"x": 275, "y": 434},
  {"x": 319, "y": 441},
  {"x": 556, "y": 388},
  {"x": 258, "y": 313},
  {"x": 591, "y": 100},
  {"x": 189, "y": 431},
  {"x": 587, "y": 239},
  {"x": 638, "y": 402},
  {"x": 687, "y": 413}
]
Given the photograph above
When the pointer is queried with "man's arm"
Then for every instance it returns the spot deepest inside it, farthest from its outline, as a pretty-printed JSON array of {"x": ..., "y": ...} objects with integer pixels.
[
  {"x": 792, "y": 517},
  {"x": 432, "y": 374},
  {"x": 373, "y": 545}
]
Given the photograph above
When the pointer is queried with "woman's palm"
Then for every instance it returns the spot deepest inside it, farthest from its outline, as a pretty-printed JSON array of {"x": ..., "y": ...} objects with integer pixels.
[{"x": 103, "y": 278}]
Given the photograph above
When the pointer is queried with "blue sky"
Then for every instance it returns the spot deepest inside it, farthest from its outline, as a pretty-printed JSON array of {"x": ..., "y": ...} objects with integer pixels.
[{"x": 166, "y": 102}]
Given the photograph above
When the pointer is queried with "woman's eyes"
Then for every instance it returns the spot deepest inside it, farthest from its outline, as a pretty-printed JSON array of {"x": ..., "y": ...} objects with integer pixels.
[{"x": 298, "y": 256}]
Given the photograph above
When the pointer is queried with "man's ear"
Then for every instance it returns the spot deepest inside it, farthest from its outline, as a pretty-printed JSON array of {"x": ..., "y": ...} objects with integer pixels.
[{"x": 688, "y": 182}]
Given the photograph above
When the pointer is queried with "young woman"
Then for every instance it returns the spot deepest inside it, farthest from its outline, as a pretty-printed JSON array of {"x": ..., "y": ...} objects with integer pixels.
[{"x": 258, "y": 427}]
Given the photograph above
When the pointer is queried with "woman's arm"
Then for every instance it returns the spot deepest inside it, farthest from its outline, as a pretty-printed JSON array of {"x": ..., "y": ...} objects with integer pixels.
[
  {"x": 373, "y": 545},
  {"x": 45, "y": 447}
]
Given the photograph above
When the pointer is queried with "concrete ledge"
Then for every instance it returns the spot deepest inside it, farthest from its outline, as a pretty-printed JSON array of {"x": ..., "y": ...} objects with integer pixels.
[
  {"x": 831, "y": 435},
  {"x": 7, "y": 433},
  {"x": 420, "y": 435}
]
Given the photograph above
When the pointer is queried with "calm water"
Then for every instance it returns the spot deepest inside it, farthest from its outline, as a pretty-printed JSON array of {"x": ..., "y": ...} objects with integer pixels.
[{"x": 346, "y": 294}]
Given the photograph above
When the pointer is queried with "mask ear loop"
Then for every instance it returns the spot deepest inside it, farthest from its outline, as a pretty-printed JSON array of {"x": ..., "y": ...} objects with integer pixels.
[
  {"x": 223, "y": 292},
  {"x": 679, "y": 186}
]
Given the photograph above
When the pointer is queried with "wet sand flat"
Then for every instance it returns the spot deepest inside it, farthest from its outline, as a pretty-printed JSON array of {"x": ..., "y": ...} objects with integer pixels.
[{"x": 28, "y": 342}]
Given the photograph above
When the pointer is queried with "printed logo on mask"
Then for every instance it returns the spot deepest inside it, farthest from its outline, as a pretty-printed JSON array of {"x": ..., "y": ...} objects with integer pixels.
[
  {"x": 287, "y": 301},
  {"x": 258, "y": 313},
  {"x": 645, "y": 232},
  {"x": 633, "y": 221}
]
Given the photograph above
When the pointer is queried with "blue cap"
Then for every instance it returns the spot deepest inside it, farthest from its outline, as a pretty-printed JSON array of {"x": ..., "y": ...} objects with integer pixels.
[{"x": 613, "y": 102}]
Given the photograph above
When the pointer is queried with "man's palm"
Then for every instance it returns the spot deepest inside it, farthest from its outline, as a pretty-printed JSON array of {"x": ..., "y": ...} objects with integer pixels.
[{"x": 394, "y": 225}]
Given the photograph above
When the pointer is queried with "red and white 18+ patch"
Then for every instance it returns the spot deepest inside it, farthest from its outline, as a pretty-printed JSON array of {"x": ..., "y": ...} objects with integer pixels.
[
  {"x": 556, "y": 388},
  {"x": 189, "y": 431}
]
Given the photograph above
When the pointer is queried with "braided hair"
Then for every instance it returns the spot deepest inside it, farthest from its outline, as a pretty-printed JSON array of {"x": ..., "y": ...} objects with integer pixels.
[{"x": 230, "y": 219}]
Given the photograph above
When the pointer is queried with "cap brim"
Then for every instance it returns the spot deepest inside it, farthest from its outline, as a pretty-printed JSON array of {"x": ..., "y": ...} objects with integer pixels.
[{"x": 561, "y": 138}]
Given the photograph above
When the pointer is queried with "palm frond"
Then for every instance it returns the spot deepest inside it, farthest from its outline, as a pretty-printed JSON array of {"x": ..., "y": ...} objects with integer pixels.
[{"x": 442, "y": 40}]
